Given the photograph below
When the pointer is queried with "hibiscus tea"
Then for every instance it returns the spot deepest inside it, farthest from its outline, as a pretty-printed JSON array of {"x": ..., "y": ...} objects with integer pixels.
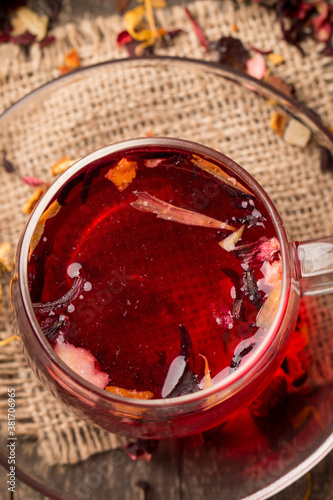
[{"x": 155, "y": 272}]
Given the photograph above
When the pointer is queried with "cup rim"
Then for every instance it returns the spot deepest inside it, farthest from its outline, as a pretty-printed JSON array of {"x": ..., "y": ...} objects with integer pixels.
[{"x": 248, "y": 366}]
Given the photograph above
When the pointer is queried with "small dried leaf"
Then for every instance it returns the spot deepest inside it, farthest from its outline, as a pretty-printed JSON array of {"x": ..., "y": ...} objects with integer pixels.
[
  {"x": 268, "y": 310},
  {"x": 250, "y": 287},
  {"x": 297, "y": 134},
  {"x": 278, "y": 123},
  {"x": 164, "y": 210},
  {"x": 218, "y": 173},
  {"x": 128, "y": 393},
  {"x": 123, "y": 173},
  {"x": 275, "y": 59},
  {"x": 33, "y": 200},
  {"x": 208, "y": 380},
  {"x": 5, "y": 257},
  {"x": 230, "y": 241},
  {"x": 25, "y": 19},
  {"x": 60, "y": 166},
  {"x": 51, "y": 211}
]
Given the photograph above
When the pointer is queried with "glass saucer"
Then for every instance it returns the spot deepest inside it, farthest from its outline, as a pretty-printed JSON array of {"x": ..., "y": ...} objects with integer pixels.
[{"x": 231, "y": 112}]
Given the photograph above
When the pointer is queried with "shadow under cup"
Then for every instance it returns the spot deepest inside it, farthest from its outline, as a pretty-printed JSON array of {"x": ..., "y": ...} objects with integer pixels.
[{"x": 157, "y": 418}]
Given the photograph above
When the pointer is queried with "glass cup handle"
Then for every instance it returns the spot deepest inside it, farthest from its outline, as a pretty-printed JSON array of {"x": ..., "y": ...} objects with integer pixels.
[{"x": 315, "y": 265}]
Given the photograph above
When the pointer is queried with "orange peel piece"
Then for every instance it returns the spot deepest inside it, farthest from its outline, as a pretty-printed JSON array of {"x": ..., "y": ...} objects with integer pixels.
[
  {"x": 128, "y": 393},
  {"x": 50, "y": 212},
  {"x": 123, "y": 173}
]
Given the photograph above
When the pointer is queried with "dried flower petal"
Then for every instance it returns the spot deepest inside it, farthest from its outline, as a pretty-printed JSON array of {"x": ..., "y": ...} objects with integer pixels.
[
  {"x": 123, "y": 173},
  {"x": 218, "y": 173},
  {"x": 142, "y": 449},
  {"x": 33, "y": 181},
  {"x": 276, "y": 59},
  {"x": 297, "y": 134},
  {"x": 208, "y": 380},
  {"x": 33, "y": 200},
  {"x": 61, "y": 165},
  {"x": 302, "y": 417},
  {"x": 256, "y": 253},
  {"x": 268, "y": 310},
  {"x": 5, "y": 257},
  {"x": 47, "y": 41},
  {"x": 230, "y": 241},
  {"x": 198, "y": 30},
  {"x": 24, "y": 19},
  {"x": 256, "y": 66},
  {"x": 123, "y": 38},
  {"x": 278, "y": 123},
  {"x": 128, "y": 393},
  {"x": 178, "y": 365},
  {"x": 153, "y": 162},
  {"x": 164, "y": 210},
  {"x": 132, "y": 19},
  {"x": 237, "y": 358}
]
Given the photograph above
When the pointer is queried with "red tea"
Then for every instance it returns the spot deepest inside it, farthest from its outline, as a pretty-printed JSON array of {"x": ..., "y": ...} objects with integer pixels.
[{"x": 155, "y": 272}]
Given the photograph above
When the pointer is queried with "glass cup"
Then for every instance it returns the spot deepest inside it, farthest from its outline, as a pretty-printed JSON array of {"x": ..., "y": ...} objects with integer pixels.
[{"x": 307, "y": 269}]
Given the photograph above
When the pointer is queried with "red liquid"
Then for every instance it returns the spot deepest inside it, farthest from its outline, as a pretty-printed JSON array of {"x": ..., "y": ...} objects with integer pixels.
[{"x": 143, "y": 276}]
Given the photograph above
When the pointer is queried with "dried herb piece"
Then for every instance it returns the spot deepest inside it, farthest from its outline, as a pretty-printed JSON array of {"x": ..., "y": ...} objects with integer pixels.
[
  {"x": 256, "y": 253},
  {"x": 200, "y": 34},
  {"x": 71, "y": 61},
  {"x": 237, "y": 358},
  {"x": 61, "y": 165},
  {"x": 52, "y": 325},
  {"x": 50, "y": 212},
  {"x": 10, "y": 339},
  {"x": 123, "y": 173},
  {"x": 208, "y": 380},
  {"x": 5, "y": 257},
  {"x": 188, "y": 384},
  {"x": 268, "y": 310},
  {"x": 251, "y": 287},
  {"x": 33, "y": 200},
  {"x": 278, "y": 122},
  {"x": 275, "y": 59},
  {"x": 148, "y": 203},
  {"x": 326, "y": 160},
  {"x": 142, "y": 449},
  {"x": 62, "y": 302},
  {"x": 231, "y": 51},
  {"x": 230, "y": 241},
  {"x": 279, "y": 84},
  {"x": 129, "y": 394},
  {"x": 178, "y": 365},
  {"x": 7, "y": 165},
  {"x": 82, "y": 362},
  {"x": 218, "y": 173},
  {"x": 238, "y": 310}
]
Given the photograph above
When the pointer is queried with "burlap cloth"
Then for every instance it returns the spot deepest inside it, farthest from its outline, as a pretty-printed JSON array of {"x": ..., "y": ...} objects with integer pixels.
[{"x": 304, "y": 195}]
